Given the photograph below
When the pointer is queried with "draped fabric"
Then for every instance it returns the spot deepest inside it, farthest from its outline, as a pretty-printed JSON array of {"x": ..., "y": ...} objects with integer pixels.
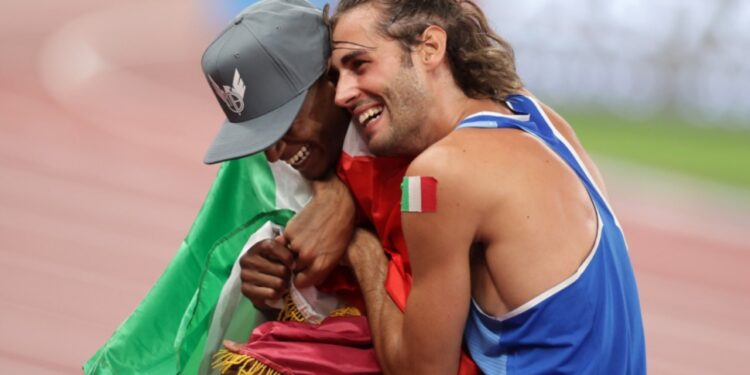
[
  {"x": 167, "y": 332},
  {"x": 339, "y": 345}
]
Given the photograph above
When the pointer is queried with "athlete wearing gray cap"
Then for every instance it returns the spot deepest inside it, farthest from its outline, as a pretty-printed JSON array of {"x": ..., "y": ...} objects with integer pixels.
[{"x": 267, "y": 72}]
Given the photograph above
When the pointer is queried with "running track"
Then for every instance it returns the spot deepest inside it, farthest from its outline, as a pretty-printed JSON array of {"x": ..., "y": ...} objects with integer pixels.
[{"x": 104, "y": 118}]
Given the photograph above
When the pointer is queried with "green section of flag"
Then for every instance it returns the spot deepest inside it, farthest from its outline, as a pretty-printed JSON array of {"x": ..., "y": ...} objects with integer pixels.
[
  {"x": 405, "y": 194},
  {"x": 170, "y": 324},
  {"x": 418, "y": 194}
]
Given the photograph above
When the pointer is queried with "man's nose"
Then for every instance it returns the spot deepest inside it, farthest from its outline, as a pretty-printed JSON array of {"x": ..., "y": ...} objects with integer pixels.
[
  {"x": 346, "y": 91},
  {"x": 274, "y": 152}
]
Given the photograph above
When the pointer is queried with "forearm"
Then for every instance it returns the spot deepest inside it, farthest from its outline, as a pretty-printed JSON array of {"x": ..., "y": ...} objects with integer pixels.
[
  {"x": 331, "y": 190},
  {"x": 385, "y": 319},
  {"x": 321, "y": 231}
]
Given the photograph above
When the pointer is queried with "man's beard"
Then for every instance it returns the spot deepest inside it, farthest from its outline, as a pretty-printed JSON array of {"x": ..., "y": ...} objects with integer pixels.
[{"x": 407, "y": 106}]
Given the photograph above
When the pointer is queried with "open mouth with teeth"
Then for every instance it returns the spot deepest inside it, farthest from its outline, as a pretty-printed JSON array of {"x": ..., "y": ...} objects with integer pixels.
[
  {"x": 300, "y": 157},
  {"x": 370, "y": 115}
]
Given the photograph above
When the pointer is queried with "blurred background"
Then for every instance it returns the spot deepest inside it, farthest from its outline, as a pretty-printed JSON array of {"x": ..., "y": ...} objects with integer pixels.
[{"x": 105, "y": 116}]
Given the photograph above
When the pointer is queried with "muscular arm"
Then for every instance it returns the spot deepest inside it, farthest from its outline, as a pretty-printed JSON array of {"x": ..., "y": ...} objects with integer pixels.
[
  {"x": 370, "y": 266},
  {"x": 321, "y": 231},
  {"x": 426, "y": 338}
]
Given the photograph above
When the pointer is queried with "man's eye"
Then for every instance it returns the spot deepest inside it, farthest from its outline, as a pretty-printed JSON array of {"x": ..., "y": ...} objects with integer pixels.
[
  {"x": 357, "y": 65},
  {"x": 333, "y": 76}
]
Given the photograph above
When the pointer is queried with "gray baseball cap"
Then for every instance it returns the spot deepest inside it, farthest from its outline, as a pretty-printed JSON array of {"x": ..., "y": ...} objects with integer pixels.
[{"x": 260, "y": 69}]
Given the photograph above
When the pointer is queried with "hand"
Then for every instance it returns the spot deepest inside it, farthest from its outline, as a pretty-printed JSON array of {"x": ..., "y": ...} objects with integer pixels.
[
  {"x": 320, "y": 233},
  {"x": 232, "y": 346},
  {"x": 265, "y": 271}
]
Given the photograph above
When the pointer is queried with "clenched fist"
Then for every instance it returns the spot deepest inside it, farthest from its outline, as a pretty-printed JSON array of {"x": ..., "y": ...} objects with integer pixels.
[{"x": 266, "y": 271}]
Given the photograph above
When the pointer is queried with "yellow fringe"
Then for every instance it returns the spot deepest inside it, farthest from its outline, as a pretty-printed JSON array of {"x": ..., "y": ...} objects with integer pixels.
[
  {"x": 290, "y": 313},
  {"x": 225, "y": 360},
  {"x": 346, "y": 311}
]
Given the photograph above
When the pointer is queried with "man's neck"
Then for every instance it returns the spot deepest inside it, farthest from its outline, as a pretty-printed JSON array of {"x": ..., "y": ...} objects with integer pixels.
[
  {"x": 450, "y": 105},
  {"x": 454, "y": 109}
]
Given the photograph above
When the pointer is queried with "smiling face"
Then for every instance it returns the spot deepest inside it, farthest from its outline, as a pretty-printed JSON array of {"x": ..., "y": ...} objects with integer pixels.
[
  {"x": 379, "y": 84},
  {"x": 312, "y": 144}
]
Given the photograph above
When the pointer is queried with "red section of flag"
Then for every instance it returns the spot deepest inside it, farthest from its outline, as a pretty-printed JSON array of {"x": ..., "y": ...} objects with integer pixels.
[{"x": 429, "y": 194}]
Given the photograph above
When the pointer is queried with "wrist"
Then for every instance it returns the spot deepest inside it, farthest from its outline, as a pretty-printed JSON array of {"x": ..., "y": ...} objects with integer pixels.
[
  {"x": 332, "y": 194},
  {"x": 366, "y": 257}
]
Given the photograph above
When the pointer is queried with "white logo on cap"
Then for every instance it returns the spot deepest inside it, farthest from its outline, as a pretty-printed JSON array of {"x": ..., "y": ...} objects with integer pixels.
[{"x": 233, "y": 97}]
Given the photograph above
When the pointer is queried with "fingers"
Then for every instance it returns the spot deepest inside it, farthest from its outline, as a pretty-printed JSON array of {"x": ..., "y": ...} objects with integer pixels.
[
  {"x": 307, "y": 277},
  {"x": 306, "y": 255},
  {"x": 264, "y": 280},
  {"x": 316, "y": 272},
  {"x": 232, "y": 346},
  {"x": 259, "y": 287},
  {"x": 265, "y": 271},
  {"x": 314, "y": 261},
  {"x": 320, "y": 232},
  {"x": 260, "y": 264},
  {"x": 259, "y": 295},
  {"x": 305, "y": 252},
  {"x": 312, "y": 265},
  {"x": 281, "y": 240},
  {"x": 270, "y": 250}
]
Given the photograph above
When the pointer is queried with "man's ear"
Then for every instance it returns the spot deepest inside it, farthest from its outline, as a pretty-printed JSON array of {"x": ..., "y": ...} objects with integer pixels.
[{"x": 433, "y": 48}]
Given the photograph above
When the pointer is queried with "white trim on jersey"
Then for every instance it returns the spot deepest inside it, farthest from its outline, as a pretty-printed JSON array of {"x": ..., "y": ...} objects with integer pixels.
[
  {"x": 497, "y": 114},
  {"x": 573, "y": 152},
  {"x": 557, "y": 288},
  {"x": 582, "y": 268}
]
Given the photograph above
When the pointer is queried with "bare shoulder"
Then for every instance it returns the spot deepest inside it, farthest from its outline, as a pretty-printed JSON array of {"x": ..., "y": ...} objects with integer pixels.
[
  {"x": 467, "y": 147},
  {"x": 478, "y": 171},
  {"x": 475, "y": 158},
  {"x": 451, "y": 163}
]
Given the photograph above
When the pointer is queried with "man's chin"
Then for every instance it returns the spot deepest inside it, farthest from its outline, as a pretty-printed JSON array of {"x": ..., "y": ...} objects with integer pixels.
[
  {"x": 316, "y": 172},
  {"x": 380, "y": 148}
]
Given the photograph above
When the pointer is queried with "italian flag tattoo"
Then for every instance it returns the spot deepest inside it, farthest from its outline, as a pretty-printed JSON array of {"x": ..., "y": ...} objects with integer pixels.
[{"x": 418, "y": 194}]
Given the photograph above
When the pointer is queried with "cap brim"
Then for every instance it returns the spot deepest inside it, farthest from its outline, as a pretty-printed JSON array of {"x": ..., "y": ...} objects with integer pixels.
[{"x": 236, "y": 140}]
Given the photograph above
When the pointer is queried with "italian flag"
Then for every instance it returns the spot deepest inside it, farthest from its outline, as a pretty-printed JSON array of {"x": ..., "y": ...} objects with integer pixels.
[
  {"x": 196, "y": 303},
  {"x": 418, "y": 194}
]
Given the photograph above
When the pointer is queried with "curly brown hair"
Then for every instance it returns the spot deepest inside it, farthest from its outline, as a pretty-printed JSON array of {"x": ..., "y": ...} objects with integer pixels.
[{"x": 482, "y": 62}]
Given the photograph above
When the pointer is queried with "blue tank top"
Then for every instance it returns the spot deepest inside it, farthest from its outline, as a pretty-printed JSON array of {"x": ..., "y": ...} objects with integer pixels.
[{"x": 588, "y": 324}]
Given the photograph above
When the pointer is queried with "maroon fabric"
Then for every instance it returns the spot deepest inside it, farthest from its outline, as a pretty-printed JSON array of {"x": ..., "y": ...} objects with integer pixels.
[{"x": 339, "y": 345}]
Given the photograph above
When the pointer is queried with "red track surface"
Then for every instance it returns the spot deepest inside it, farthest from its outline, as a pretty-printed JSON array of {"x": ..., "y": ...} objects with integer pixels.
[{"x": 104, "y": 118}]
